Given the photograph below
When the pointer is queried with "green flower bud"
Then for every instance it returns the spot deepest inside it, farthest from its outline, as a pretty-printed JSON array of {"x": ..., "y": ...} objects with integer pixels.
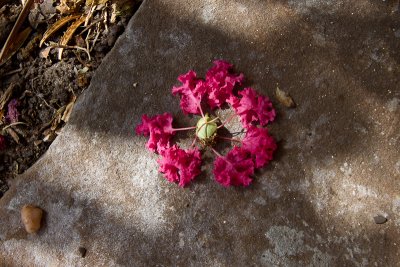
[{"x": 205, "y": 129}]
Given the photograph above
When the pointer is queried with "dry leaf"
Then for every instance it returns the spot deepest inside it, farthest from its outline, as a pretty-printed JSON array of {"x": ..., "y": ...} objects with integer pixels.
[
  {"x": 284, "y": 98},
  {"x": 68, "y": 34},
  {"x": 31, "y": 46},
  {"x": 13, "y": 134},
  {"x": 82, "y": 80},
  {"x": 19, "y": 131},
  {"x": 6, "y": 96},
  {"x": 56, "y": 26},
  {"x": 44, "y": 53},
  {"x": 95, "y": 2},
  {"x": 14, "y": 45},
  {"x": 37, "y": 142},
  {"x": 15, "y": 36},
  {"x": 68, "y": 110},
  {"x": 2, "y": 117},
  {"x": 49, "y": 137},
  {"x": 57, "y": 118},
  {"x": 69, "y": 6}
]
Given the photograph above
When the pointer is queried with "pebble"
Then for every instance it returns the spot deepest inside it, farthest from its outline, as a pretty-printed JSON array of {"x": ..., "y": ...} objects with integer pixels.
[
  {"x": 379, "y": 219},
  {"x": 32, "y": 218}
]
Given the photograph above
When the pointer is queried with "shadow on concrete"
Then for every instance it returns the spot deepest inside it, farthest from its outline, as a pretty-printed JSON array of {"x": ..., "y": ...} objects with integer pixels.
[{"x": 332, "y": 70}]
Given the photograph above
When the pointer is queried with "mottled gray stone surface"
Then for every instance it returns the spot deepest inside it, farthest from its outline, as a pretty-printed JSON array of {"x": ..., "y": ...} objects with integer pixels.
[{"x": 337, "y": 167}]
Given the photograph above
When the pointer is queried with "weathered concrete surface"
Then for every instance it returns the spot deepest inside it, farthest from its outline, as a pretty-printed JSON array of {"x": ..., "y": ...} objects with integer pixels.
[{"x": 337, "y": 167}]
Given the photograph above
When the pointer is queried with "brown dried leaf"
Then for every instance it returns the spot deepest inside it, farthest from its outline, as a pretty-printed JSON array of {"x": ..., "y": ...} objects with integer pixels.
[
  {"x": 69, "y": 6},
  {"x": 13, "y": 134},
  {"x": 44, "y": 53},
  {"x": 68, "y": 110},
  {"x": 2, "y": 113},
  {"x": 30, "y": 47},
  {"x": 82, "y": 80},
  {"x": 56, "y": 26},
  {"x": 49, "y": 137},
  {"x": 95, "y": 2},
  {"x": 57, "y": 118},
  {"x": 14, "y": 45},
  {"x": 15, "y": 34},
  {"x": 6, "y": 96},
  {"x": 284, "y": 98},
  {"x": 19, "y": 131},
  {"x": 37, "y": 142},
  {"x": 69, "y": 33}
]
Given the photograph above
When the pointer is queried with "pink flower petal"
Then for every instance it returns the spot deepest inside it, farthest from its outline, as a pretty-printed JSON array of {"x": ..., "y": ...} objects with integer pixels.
[
  {"x": 160, "y": 130},
  {"x": 191, "y": 92},
  {"x": 235, "y": 168},
  {"x": 12, "y": 111},
  {"x": 252, "y": 108},
  {"x": 220, "y": 83},
  {"x": 260, "y": 144},
  {"x": 180, "y": 166}
]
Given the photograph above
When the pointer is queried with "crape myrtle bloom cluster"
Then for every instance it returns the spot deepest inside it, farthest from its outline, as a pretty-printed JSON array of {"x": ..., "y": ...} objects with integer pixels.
[{"x": 219, "y": 88}]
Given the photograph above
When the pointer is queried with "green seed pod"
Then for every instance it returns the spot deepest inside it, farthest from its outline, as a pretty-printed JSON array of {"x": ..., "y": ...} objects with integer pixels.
[{"x": 205, "y": 129}]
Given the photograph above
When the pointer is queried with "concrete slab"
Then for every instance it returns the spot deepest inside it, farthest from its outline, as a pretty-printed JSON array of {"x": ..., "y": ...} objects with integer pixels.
[{"x": 338, "y": 164}]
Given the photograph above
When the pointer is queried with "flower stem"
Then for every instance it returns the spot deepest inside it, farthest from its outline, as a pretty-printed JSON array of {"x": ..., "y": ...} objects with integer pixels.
[
  {"x": 216, "y": 152},
  {"x": 229, "y": 139},
  {"x": 194, "y": 142},
  {"x": 227, "y": 120},
  {"x": 201, "y": 110},
  {"x": 184, "y": 129}
]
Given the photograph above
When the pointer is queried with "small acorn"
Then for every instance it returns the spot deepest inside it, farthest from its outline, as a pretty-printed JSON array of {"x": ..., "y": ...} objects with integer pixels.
[{"x": 32, "y": 218}]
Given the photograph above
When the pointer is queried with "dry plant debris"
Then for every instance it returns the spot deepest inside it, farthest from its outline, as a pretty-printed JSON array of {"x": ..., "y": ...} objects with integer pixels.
[
  {"x": 284, "y": 98},
  {"x": 50, "y": 49}
]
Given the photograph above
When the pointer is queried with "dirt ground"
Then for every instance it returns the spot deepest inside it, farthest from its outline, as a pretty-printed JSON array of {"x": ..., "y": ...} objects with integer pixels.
[{"x": 43, "y": 88}]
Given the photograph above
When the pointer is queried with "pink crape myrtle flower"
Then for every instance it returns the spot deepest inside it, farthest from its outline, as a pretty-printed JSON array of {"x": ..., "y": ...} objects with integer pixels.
[
  {"x": 253, "y": 108},
  {"x": 220, "y": 82},
  {"x": 197, "y": 95},
  {"x": 260, "y": 145},
  {"x": 235, "y": 168},
  {"x": 179, "y": 165},
  {"x": 192, "y": 91},
  {"x": 160, "y": 130}
]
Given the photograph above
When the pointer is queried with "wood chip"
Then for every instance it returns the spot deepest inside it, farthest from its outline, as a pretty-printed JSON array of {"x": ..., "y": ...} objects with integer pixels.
[{"x": 284, "y": 98}]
